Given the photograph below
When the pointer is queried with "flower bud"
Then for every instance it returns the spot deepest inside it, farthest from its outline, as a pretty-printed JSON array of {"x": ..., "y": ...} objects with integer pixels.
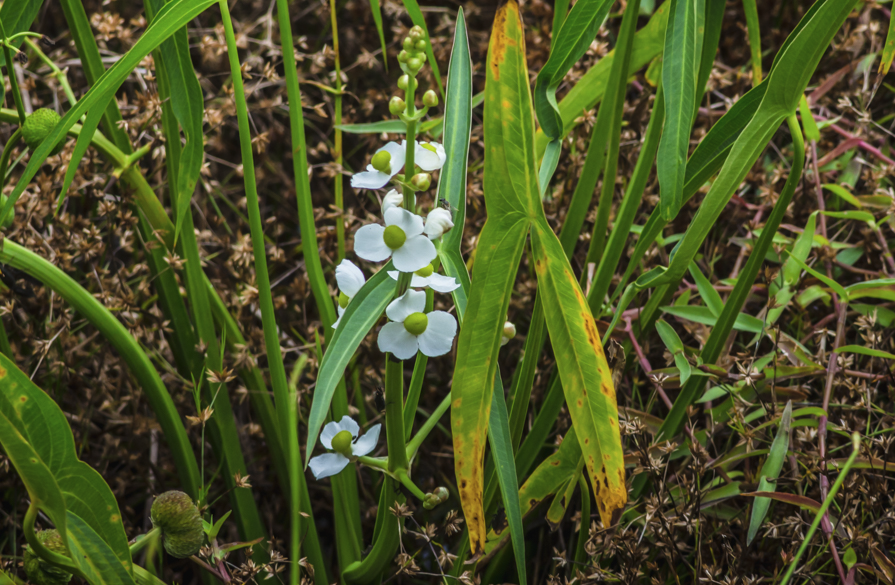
[
  {"x": 420, "y": 45},
  {"x": 394, "y": 199},
  {"x": 396, "y": 106},
  {"x": 382, "y": 161},
  {"x": 414, "y": 64},
  {"x": 41, "y": 572},
  {"x": 430, "y": 98},
  {"x": 408, "y": 45},
  {"x": 403, "y": 81},
  {"x": 438, "y": 222},
  {"x": 403, "y": 56},
  {"x": 38, "y": 126},
  {"x": 178, "y": 518},
  {"x": 421, "y": 181},
  {"x": 442, "y": 493},
  {"x": 417, "y": 33},
  {"x": 509, "y": 332}
]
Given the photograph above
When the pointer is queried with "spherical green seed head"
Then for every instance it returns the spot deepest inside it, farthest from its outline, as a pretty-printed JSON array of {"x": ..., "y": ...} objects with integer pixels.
[
  {"x": 342, "y": 442},
  {"x": 394, "y": 237},
  {"x": 430, "y": 98},
  {"x": 382, "y": 161},
  {"x": 416, "y": 323},
  {"x": 425, "y": 271},
  {"x": 421, "y": 181},
  {"x": 38, "y": 126},
  {"x": 181, "y": 525},
  {"x": 396, "y": 106},
  {"x": 403, "y": 81},
  {"x": 343, "y": 299},
  {"x": 41, "y": 572}
]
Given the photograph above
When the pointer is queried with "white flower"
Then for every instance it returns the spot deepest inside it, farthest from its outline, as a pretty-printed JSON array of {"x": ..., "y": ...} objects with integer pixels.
[
  {"x": 429, "y": 156},
  {"x": 412, "y": 330},
  {"x": 509, "y": 332},
  {"x": 341, "y": 437},
  {"x": 401, "y": 239},
  {"x": 394, "y": 199},
  {"x": 350, "y": 280},
  {"x": 426, "y": 276},
  {"x": 385, "y": 164},
  {"x": 437, "y": 222}
]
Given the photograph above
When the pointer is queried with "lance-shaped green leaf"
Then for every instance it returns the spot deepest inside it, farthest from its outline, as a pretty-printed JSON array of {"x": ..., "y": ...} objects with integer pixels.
[
  {"x": 680, "y": 69},
  {"x": 674, "y": 345},
  {"x": 39, "y": 443},
  {"x": 360, "y": 316},
  {"x": 586, "y": 377},
  {"x": 788, "y": 78},
  {"x": 860, "y": 349},
  {"x": 888, "y": 49},
  {"x": 770, "y": 471},
  {"x": 577, "y": 33}
]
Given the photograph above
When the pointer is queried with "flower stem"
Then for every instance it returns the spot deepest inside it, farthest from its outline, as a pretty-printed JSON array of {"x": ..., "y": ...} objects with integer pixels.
[
  {"x": 337, "y": 141},
  {"x": 59, "y": 74},
  {"x": 394, "y": 413},
  {"x": 7, "y": 151},
  {"x": 405, "y": 480},
  {"x": 11, "y": 73},
  {"x": 144, "y": 540},
  {"x": 414, "y": 444}
]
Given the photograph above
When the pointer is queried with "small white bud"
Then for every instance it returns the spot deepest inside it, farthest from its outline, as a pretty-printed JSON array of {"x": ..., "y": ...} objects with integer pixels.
[
  {"x": 509, "y": 332},
  {"x": 438, "y": 222},
  {"x": 394, "y": 199}
]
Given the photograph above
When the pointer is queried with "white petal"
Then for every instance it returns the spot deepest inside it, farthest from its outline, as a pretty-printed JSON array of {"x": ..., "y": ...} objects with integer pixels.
[
  {"x": 349, "y": 277},
  {"x": 367, "y": 442},
  {"x": 348, "y": 424},
  {"x": 369, "y": 244},
  {"x": 341, "y": 312},
  {"x": 329, "y": 431},
  {"x": 398, "y": 152},
  {"x": 327, "y": 464},
  {"x": 437, "y": 282},
  {"x": 428, "y": 160},
  {"x": 412, "y": 301},
  {"x": 370, "y": 180},
  {"x": 438, "y": 337},
  {"x": 416, "y": 253},
  {"x": 410, "y": 223},
  {"x": 396, "y": 340},
  {"x": 392, "y": 199}
]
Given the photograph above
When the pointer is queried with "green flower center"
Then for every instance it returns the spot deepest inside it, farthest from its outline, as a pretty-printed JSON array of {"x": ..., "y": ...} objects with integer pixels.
[
  {"x": 382, "y": 162},
  {"x": 342, "y": 442},
  {"x": 425, "y": 271},
  {"x": 415, "y": 324},
  {"x": 343, "y": 299},
  {"x": 394, "y": 237}
]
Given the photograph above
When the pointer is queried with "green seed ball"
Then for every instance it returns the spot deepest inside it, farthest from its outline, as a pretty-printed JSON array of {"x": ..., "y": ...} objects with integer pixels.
[
  {"x": 342, "y": 442},
  {"x": 41, "y": 572},
  {"x": 416, "y": 323},
  {"x": 38, "y": 126},
  {"x": 181, "y": 525}
]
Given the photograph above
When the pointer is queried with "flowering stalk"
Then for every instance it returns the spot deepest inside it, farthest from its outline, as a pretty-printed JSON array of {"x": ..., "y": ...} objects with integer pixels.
[{"x": 394, "y": 413}]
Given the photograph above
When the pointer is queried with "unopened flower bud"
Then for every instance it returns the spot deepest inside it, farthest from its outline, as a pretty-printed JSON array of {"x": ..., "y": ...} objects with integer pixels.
[
  {"x": 394, "y": 199},
  {"x": 414, "y": 64},
  {"x": 408, "y": 44},
  {"x": 396, "y": 105},
  {"x": 509, "y": 332},
  {"x": 420, "y": 45},
  {"x": 430, "y": 98},
  {"x": 438, "y": 222},
  {"x": 175, "y": 514},
  {"x": 382, "y": 161},
  {"x": 421, "y": 181},
  {"x": 403, "y": 81},
  {"x": 38, "y": 570},
  {"x": 441, "y": 493},
  {"x": 403, "y": 56},
  {"x": 416, "y": 33}
]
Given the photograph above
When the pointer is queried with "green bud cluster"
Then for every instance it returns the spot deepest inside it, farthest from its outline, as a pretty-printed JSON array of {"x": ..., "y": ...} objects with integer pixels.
[
  {"x": 38, "y": 570},
  {"x": 175, "y": 514},
  {"x": 433, "y": 499},
  {"x": 413, "y": 52},
  {"x": 38, "y": 126}
]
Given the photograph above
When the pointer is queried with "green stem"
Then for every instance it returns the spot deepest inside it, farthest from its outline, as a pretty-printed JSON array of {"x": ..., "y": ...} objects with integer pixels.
[
  {"x": 415, "y": 443},
  {"x": 405, "y": 480},
  {"x": 856, "y": 447},
  {"x": 38, "y": 547},
  {"x": 337, "y": 120},
  {"x": 7, "y": 152},
  {"x": 394, "y": 413},
  {"x": 144, "y": 540},
  {"x": 416, "y": 380},
  {"x": 751, "y": 10},
  {"x": 59, "y": 74},
  {"x": 11, "y": 73},
  {"x": 121, "y": 339}
]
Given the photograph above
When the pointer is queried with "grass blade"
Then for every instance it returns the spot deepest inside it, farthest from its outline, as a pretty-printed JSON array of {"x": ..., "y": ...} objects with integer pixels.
[{"x": 771, "y": 469}]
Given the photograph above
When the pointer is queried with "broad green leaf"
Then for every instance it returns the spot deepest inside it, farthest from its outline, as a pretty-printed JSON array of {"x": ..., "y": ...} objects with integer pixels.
[
  {"x": 586, "y": 377},
  {"x": 704, "y": 315},
  {"x": 680, "y": 68},
  {"x": 860, "y": 349},
  {"x": 675, "y": 346},
  {"x": 590, "y": 88},
  {"x": 93, "y": 555},
  {"x": 360, "y": 316},
  {"x": 172, "y": 17},
  {"x": 568, "y": 46},
  {"x": 707, "y": 292},
  {"x": 771, "y": 469},
  {"x": 39, "y": 443},
  {"x": 793, "y": 68}
]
